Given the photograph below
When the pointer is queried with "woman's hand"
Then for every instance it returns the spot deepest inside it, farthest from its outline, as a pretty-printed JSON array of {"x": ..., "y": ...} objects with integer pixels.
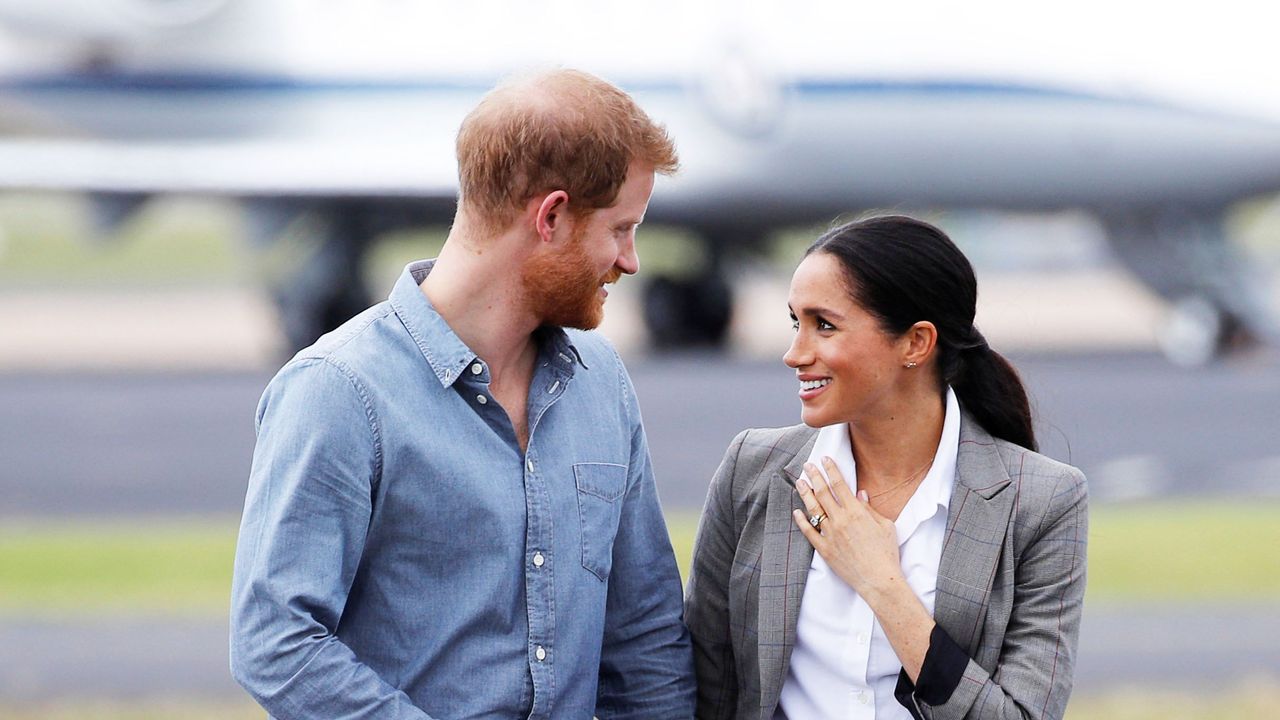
[
  {"x": 858, "y": 543},
  {"x": 861, "y": 546}
]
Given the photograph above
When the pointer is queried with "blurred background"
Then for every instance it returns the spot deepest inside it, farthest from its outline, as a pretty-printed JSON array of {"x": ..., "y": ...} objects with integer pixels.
[{"x": 192, "y": 189}]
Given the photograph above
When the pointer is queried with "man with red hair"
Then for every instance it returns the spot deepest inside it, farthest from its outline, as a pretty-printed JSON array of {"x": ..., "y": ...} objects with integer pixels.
[{"x": 451, "y": 511}]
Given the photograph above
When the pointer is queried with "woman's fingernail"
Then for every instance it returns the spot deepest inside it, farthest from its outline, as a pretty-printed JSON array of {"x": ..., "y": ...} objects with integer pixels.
[{"x": 803, "y": 485}]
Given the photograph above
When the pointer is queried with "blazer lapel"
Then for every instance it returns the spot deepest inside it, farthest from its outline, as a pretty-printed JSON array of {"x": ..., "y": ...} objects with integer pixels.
[
  {"x": 785, "y": 566},
  {"x": 977, "y": 525}
]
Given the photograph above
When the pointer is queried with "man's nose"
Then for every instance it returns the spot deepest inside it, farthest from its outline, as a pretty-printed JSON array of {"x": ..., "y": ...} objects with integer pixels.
[{"x": 628, "y": 261}]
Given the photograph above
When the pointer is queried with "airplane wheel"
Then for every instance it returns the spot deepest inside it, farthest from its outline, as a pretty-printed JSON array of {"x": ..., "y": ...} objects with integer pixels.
[
  {"x": 1196, "y": 332},
  {"x": 688, "y": 313},
  {"x": 305, "y": 316},
  {"x": 325, "y": 287}
]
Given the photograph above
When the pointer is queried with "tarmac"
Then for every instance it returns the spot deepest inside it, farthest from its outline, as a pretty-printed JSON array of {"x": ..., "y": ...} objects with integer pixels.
[{"x": 1121, "y": 647}]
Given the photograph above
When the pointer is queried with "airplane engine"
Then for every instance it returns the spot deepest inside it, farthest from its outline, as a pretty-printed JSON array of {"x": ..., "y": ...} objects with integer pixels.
[{"x": 104, "y": 20}]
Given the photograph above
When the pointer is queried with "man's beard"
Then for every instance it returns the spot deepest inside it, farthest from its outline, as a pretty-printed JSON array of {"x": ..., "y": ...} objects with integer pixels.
[{"x": 563, "y": 288}]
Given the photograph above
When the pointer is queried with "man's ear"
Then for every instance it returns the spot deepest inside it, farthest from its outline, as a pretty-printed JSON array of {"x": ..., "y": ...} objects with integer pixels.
[
  {"x": 920, "y": 340},
  {"x": 550, "y": 214}
]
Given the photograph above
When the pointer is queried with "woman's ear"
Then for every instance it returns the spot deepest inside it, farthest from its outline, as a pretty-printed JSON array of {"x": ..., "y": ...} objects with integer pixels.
[{"x": 919, "y": 342}]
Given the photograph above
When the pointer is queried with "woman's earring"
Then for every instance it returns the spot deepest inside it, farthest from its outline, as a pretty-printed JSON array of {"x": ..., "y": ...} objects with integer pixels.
[{"x": 910, "y": 365}]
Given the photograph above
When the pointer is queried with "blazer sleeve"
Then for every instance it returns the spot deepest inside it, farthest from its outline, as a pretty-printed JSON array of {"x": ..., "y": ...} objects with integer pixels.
[
  {"x": 706, "y": 609},
  {"x": 1033, "y": 677}
]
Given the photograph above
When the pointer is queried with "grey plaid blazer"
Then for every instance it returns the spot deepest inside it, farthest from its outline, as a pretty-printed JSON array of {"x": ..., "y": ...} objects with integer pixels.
[{"x": 1010, "y": 584}]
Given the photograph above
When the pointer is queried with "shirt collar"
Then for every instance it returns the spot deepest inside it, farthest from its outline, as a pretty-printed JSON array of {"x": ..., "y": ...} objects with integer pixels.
[
  {"x": 933, "y": 494},
  {"x": 441, "y": 346}
]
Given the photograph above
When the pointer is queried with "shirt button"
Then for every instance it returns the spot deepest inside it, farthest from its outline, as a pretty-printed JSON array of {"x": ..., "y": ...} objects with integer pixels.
[
  {"x": 528, "y": 464},
  {"x": 538, "y": 560},
  {"x": 862, "y": 638},
  {"x": 482, "y": 400},
  {"x": 477, "y": 369},
  {"x": 864, "y": 698},
  {"x": 540, "y": 653}
]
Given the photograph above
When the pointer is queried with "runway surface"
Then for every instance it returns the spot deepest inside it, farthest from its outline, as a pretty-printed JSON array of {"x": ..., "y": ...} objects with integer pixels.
[
  {"x": 130, "y": 658},
  {"x": 158, "y": 443}
]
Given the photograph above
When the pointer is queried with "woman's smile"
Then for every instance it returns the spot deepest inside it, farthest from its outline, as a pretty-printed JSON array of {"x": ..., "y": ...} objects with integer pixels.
[{"x": 811, "y": 387}]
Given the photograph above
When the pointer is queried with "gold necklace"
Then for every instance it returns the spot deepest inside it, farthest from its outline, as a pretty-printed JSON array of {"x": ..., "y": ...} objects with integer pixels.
[{"x": 910, "y": 477}]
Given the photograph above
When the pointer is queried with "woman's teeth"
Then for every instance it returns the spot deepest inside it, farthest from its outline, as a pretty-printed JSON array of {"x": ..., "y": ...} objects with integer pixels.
[{"x": 814, "y": 384}]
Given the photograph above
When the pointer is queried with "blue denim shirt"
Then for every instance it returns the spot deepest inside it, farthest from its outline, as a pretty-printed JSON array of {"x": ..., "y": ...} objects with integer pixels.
[{"x": 399, "y": 555}]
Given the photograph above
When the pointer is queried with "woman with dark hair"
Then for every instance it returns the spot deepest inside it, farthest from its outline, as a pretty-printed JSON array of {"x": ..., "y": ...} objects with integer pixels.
[{"x": 949, "y": 570}]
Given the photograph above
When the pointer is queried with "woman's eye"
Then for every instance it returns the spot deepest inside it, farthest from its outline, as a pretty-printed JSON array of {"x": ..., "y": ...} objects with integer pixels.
[
  {"x": 795, "y": 324},
  {"x": 824, "y": 325}
]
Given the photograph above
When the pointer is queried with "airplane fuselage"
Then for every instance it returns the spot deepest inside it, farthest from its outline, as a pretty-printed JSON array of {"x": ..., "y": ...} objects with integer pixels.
[{"x": 825, "y": 147}]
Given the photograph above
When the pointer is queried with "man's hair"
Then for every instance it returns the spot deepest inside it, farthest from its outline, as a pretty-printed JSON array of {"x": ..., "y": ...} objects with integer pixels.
[{"x": 558, "y": 130}]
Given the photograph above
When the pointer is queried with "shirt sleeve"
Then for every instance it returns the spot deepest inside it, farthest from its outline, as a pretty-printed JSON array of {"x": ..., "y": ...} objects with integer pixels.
[
  {"x": 315, "y": 466},
  {"x": 943, "y": 668},
  {"x": 1033, "y": 675},
  {"x": 646, "y": 668}
]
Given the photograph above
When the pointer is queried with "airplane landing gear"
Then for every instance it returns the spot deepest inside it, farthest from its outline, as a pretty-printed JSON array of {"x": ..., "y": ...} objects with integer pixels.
[
  {"x": 1184, "y": 255},
  {"x": 326, "y": 288},
  {"x": 688, "y": 312},
  {"x": 1198, "y": 331}
]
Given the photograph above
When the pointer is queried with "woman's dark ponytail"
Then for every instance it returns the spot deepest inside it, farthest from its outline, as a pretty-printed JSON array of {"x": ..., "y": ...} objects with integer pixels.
[
  {"x": 904, "y": 270},
  {"x": 988, "y": 387}
]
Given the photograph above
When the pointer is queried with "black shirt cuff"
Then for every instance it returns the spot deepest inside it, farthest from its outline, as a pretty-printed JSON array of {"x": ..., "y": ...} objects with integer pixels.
[{"x": 940, "y": 674}]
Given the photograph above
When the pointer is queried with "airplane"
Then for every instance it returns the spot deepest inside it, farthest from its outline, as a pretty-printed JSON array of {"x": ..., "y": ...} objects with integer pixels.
[{"x": 345, "y": 112}]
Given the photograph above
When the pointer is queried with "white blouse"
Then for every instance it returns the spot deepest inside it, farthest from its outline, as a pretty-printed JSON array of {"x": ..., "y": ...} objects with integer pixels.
[{"x": 843, "y": 665}]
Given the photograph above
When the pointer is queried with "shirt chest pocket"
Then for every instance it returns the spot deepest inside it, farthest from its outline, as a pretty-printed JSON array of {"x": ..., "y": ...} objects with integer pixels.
[{"x": 600, "y": 490}]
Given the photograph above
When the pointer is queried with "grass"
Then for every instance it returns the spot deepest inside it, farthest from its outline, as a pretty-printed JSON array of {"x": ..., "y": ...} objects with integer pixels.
[
  {"x": 1189, "y": 550},
  {"x": 1251, "y": 699},
  {"x": 45, "y": 241},
  {"x": 143, "y": 567},
  {"x": 1208, "y": 551},
  {"x": 1212, "y": 550},
  {"x": 49, "y": 241}
]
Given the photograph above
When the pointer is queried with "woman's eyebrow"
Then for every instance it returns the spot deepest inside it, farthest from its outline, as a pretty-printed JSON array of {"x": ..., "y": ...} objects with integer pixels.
[{"x": 825, "y": 312}]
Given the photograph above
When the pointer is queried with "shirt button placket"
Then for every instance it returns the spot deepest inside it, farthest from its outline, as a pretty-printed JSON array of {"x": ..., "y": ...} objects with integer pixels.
[{"x": 540, "y": 587}]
